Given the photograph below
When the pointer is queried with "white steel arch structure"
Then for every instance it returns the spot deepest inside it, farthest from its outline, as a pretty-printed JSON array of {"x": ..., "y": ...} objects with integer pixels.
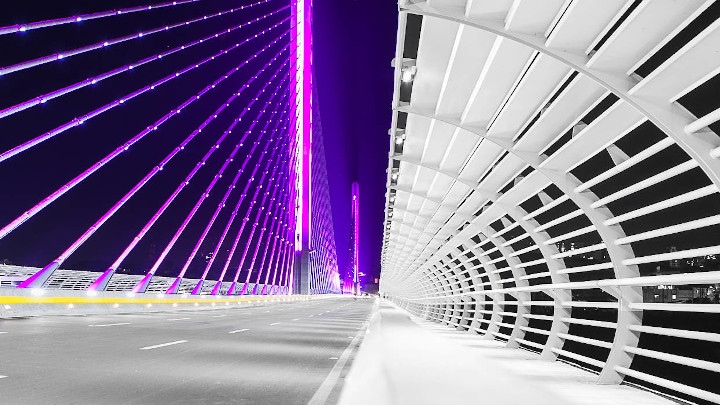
[{"x": 553, "y": 181}]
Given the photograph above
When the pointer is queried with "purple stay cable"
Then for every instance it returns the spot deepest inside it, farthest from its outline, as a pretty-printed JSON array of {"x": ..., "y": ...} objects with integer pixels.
[
  {"x": 280, "y": 239},
  {"x": 41, "y": 99},
  {"x": 5, "y": 70},
  {"x": 39, "y": 278},
  {"x": 80, "y": 120},
  {"x": 258, "y": 215},
  {"x": 176, "y": 284},
  {"x": 275, "y": 237},
  {"x": 233, "y": 285},
  {"x": 122, "y": 148},
  {"x": 280, "y": 246},
  {"x": 262, "y": 231},
  {"x": 268, "y": 164},
  {"x": 218, "y": 283},
  {"x": 101, "y": 282},
  {"x": 285, "y": 274},
  {"x": 174, "y": 287},
  {"x": 272, "y": 236},
  {"x": 142, "y": 285},
  {"x": 231, "y": 290},
  {"x": 268, "y": 215},
  {"x": 10, "y": 29}
]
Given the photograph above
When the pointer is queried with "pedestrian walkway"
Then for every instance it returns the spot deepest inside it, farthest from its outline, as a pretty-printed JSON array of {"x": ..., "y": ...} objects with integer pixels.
[{"x": 406, "y": 360}]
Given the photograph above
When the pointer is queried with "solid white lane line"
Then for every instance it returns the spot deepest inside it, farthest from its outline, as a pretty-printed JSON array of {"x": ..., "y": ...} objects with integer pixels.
[
  {"x": 239, "y": 330},
  {"x": 3, "y": 376},
  {"x": 219, "y": 316},
  {"x": 323, "y": 392},
  {"x": 296, "y": 319},
  {"x": 108, "y": 324},
  {"x": 276, "y": 323},
  {"x": 177, "y": 342},
  {"x": 177, "y": 319},
  {"x": 2, "y": 333}
]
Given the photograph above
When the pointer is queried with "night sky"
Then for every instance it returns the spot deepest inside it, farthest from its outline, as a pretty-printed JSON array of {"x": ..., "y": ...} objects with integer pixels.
[{"x": 354, "y": 44}]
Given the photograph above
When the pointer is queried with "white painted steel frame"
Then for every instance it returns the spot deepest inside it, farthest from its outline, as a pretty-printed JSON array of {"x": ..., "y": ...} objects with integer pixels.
[{"x": 494, "y": 87}]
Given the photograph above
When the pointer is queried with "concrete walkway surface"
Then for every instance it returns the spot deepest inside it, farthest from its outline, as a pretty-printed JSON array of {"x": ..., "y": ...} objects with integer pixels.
[{"x": 406, "y": 360}]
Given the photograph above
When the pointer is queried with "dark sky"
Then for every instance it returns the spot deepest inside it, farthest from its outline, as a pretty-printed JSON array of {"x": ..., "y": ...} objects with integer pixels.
[{"x": 354, "y": 45}]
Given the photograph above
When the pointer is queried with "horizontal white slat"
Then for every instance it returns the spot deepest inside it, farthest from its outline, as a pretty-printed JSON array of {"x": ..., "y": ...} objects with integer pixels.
[
  {"x": 661, "y": 205},
  {"x": 578, "y": 357},
  {"x": 535, "y": 330},
  {"x": 588, "y": 341},
  {"x": 706, "y": 308},
  {"x": 559, "y": 220},
  {"x": 546, "y": 207},
  {"x": 671, "y": 385},
  {"x": 538, "y": 317},
  {"x": 581, "y": 231},
  {"x": 686, "y": 69},
  {"x": 529, "y": 343},
  {"x": 575, "y": 252},
  {"x": 680, "y": 333},
  {"x": 681, "y": 254},
  {"x": 669, "y": 230},
  {"x": 590, "y": 322},
  {"x": 651, "y": 151},
  {"x": 583, "y": 269},
  {"x": 649, "y": 24},
  {"x": 536, "y": 275}
]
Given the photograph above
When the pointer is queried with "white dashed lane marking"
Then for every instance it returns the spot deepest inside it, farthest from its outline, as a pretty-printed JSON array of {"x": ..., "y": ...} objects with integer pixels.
[
  {"x": 177, "y": 342},
  {"x": 108, "y": 324},
  {"x": 276, "y": 323},
  {"x": 239, "y": 330}
]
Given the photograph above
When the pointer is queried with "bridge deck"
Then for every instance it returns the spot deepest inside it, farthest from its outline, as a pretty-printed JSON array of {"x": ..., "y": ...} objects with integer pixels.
[{"x": 273, "y": 354}]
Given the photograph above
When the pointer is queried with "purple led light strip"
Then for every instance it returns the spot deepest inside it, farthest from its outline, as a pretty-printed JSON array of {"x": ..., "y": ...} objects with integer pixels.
[
  {"x": 78, "y": 121},
  {"x": 218, "y": 283},
  {"x": 101, "y": 282},
  {"x": 72, "y": 183},
  {"x": 198, "y": 287},
  {"x": 142, "y": 285},
  {"x": 104, "y": 44},
  {"x": 10, "y": 29},
  {"x": 41, "y": 99}
]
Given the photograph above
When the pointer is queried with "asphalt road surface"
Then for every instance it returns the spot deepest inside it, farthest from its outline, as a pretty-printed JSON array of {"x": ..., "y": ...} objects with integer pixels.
[{"x": 286, "y": 353}]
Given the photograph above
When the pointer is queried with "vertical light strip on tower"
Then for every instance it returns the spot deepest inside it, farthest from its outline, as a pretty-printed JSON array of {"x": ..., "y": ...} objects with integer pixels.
[
  {"x": 302, "y": 41},
  {"x": 356, "y": 235}
]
